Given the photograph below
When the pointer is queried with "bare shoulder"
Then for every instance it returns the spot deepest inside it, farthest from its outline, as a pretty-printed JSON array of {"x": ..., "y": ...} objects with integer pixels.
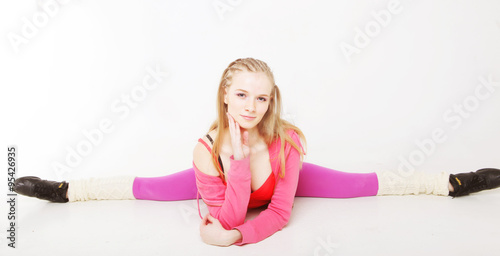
[{"x": 202, "y": 157}]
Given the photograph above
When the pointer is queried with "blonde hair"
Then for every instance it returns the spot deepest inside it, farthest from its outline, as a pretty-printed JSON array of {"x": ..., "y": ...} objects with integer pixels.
[{"x": 271, "y": 127}]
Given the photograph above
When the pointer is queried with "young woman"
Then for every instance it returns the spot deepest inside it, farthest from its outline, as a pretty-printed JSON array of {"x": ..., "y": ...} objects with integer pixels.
[{"x": 251, "y": 158}]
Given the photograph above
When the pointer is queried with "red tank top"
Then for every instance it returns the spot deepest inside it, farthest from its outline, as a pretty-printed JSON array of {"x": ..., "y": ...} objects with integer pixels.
[{"x": 259, "y": 197}]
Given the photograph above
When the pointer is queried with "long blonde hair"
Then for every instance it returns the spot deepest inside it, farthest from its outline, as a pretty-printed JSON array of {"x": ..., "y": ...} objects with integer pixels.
[{"x": 271, "y": 127}]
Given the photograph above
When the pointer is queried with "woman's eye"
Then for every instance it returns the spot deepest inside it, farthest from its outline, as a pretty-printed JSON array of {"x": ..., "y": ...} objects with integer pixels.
[{"x": 242, "y": 95}]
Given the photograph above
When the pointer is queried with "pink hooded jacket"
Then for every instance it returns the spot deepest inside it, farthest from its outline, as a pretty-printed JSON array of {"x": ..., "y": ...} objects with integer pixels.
[{"x": 229, "y": 203}]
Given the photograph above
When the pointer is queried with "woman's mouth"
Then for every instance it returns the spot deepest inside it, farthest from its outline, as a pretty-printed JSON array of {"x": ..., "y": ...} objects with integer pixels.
[{"x": 248, "y": 118}]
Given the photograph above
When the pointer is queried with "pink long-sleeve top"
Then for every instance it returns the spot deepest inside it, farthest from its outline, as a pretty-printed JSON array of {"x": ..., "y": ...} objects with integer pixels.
[{"x": 229, "y": 203}]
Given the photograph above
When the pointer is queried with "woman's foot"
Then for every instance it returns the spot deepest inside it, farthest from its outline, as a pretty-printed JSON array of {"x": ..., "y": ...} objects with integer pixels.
[
  {"x": 42, "y": 189},
  {"x": 466, "y": 183}
]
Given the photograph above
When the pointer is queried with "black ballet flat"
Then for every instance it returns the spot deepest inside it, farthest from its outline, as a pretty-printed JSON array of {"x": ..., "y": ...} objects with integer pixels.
[
  {"x": 43, "y": 189},
  {"x": 466, "y": 183}
]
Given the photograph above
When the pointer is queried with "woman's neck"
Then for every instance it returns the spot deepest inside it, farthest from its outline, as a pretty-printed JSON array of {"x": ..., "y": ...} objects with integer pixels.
[
  {"x": 254, "y": 138},
  {"x": 253, "y": 135},
  {"x": 255, "y": 141}
]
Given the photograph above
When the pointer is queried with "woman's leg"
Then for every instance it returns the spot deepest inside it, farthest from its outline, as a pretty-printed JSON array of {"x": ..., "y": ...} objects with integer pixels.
[
  {"x": 317, "y": 181},
  {"x": 392, "y": 183},
  {"x": 103, "y": 188},
  {"x": 177, "y": 186}
]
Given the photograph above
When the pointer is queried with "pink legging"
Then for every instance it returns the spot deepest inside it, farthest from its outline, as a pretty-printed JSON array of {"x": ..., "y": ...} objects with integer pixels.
[{"x": 314, "y": 181}]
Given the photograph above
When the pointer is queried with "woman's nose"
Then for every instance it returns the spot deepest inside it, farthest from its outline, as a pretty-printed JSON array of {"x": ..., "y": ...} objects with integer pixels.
[{"x": 250, "y": 106}]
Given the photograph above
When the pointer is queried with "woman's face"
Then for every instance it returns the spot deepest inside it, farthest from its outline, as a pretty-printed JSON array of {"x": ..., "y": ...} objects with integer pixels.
[{"x": 248, "y": 98}]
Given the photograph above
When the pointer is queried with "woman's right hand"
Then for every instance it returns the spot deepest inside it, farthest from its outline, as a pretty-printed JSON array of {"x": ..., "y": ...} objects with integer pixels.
[{"x": 238, "y": 142}]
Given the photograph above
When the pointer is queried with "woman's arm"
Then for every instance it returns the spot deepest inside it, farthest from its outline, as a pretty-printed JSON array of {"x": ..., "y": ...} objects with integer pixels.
[
  {"x": 278, "y": 212},
  {"x": 213, "y": 233},
  {"x": 233, "y": 208},
  {"x": 226, "y": 203},
  {"x": 269, "y": 221}
]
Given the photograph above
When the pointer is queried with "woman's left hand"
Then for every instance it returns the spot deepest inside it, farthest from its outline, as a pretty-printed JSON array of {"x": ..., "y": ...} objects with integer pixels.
[{"x": 213, "y": 233}]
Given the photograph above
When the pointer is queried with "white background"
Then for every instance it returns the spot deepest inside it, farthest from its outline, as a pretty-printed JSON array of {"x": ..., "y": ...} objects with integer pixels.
[{"x": 360, "y": 115}]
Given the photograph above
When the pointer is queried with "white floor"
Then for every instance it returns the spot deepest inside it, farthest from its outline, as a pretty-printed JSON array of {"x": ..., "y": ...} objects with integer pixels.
[{"x": 389, "y": 225}]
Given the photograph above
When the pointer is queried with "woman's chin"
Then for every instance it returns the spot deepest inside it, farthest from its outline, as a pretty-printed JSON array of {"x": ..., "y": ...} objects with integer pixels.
[{"x": 247, "y": 126}]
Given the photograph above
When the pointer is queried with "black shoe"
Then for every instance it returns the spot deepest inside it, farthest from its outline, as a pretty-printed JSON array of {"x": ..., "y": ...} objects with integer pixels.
[
  {"x": 42, "y": 189},
  {"x": 466, "y": 183}
]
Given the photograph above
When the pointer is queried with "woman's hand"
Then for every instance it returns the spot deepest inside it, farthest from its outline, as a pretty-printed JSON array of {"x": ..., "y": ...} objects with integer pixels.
[
  {"x": 212, "y": 232},
  {"x": 238, "y": 142}
]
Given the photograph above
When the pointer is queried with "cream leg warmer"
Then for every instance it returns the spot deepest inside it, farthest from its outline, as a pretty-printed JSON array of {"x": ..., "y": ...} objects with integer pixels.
[
  {"x": 112, "y": 188},
  {"x": 390, "y": 183}
]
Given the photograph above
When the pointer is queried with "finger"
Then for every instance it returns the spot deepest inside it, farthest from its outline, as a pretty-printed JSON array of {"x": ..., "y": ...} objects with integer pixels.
[
  {"x": 234, "y": 132},
  {"x": 237, "y": 131},
  {"x": 212, "y": 219},
  {"x": 245, "y": 137},
  {"x": 205, "y": 219},
  {"x": 231, "y": 124},
  {"x": 237, "y": 136}
]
